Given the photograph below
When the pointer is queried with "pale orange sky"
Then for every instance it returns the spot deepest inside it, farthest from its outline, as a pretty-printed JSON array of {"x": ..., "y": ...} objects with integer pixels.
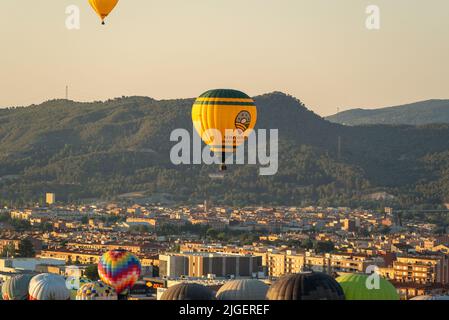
[{"x": 318, "y": 51}]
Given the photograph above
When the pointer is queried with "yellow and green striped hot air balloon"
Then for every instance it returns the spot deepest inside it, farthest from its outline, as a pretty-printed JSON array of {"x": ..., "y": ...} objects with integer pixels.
[
  {"x": 103, "y": 7},
  {"x": 226, "y": 111}
]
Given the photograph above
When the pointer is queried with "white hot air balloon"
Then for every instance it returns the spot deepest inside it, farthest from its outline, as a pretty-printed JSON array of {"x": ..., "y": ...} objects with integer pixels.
[{"x": 47, "y": 286}]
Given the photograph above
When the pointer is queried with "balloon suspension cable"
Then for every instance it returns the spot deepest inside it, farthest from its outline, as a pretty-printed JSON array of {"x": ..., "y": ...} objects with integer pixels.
[{"x": 223, "y": 162}]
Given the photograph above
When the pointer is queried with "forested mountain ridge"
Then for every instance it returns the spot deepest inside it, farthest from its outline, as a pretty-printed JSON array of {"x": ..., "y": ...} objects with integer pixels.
[
  {"x": 103, "y": 149},
  {"x": 418, "y": 113}
]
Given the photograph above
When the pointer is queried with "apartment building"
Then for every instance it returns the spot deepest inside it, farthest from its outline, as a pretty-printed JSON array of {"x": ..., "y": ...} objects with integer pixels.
[
  {"x": 173, "y": 265},
  {"x": 14, "y": 241},
  {"x": 201, "y": 264},
  {"x": 350, "y": 263},
  {"x": 223, "y": 265},
  {"x": 288, "y": 262},
  {"x": 423, "y": 269},
  {"x": 103, "y": 247}
]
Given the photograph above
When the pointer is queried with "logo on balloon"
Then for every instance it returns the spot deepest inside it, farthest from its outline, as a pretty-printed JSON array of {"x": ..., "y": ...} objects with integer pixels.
[{"x": 243, "y": 121}]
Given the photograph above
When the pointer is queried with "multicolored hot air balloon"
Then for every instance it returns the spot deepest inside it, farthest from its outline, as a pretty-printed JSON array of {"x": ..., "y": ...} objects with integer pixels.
[
  {"x": 103, "y": 7},
  {"x": 96, "y": 291},
  {"x": 16, "y": 288},
  {"x": 355, "y": 288},
  {"x": 48, "y": 286},
  {"x": 74, "y": 284},
  {"x": 233, "y": 115},
  {"x": 119, "y": 269}
]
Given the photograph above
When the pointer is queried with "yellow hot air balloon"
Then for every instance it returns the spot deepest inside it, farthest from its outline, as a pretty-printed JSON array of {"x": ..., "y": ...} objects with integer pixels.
[
  {"x": 103, "y": 7},
  {"x": 225, "y": 111}
]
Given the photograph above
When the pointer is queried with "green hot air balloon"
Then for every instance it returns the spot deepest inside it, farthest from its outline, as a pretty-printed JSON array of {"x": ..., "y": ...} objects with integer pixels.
[{"x": 355, "y": 288}]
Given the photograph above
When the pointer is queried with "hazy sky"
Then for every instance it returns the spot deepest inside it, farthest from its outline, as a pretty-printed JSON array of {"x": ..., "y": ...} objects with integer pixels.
[{"x": 317, "y": 50}]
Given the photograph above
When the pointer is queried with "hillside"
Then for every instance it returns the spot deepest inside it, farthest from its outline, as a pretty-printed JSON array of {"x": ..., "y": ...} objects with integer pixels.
[
  {"x": 104, "y": 149},
  {"x": 419, "y": 113}
]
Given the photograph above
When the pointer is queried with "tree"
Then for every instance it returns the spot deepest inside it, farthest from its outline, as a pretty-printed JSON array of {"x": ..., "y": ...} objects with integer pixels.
[
  {"x": 4, "y": 217},
  {"x": 222, "y": 236},
  {"x": 362, "y": 232},
  {"x": 45, "y": 227},
  {"x": 211, "y": 233},
  {"x": 176, "y": 248},
  {"x": 385, "y": 230},
  {"x": 307, "y": 244},
  {"x": 324, "y": 246},
  {"x": 26, "y": 249},
  {"x": 92, "y": 272},
  {"x": 439, "y": 230},
  {"x": 21, "y": 225},
  {"x": 140, "y": 228},
  {"x": 84, "y": 219},
  {"x": 8, "y": 251}
]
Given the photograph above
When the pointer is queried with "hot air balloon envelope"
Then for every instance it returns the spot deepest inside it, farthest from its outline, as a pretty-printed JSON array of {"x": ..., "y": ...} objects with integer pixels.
[
  {"x": 103, "y": 7},
  {"x": 47, "y": 286},
  {"x": 306, "y": 286},
  {"x": 245, "y": 289},
  {"x": 74, "y": 284},
  {"x": 119, "y": 269},
  {"x": 16, "y": 288},
  {"x": 224, "y": 118},
  {"x": 188, "y": 291},
  {"x": 355, "y": 287},
  {"x": 96, "y": 291}
]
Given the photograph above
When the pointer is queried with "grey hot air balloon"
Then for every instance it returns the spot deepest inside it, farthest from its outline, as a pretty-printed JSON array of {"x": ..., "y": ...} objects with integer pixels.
[
  {"x": 244, "y": 289},
  {"x": 16, "y": 287},
  {"x": 188, "y": 291},
  {"x": 306, "y": 286},
  {"x": 47, "y": 286}
]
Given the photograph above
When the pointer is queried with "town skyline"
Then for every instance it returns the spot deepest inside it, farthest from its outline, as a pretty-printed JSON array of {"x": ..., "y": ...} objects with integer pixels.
[{"x": 218, "y": 246}]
